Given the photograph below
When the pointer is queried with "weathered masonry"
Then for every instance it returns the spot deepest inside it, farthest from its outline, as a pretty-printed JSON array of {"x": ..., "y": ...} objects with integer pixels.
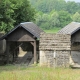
[
  {"x": 20, "y": 40},
  {"x": 55, "y": 49}
]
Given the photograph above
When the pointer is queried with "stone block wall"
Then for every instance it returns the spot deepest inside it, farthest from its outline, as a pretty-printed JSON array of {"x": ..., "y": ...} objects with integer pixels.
[
  {"x": 55, "y": 41},
  {"x": 55, "y": 49},
  {"x": 46, "y": 58},
  {"x": 61, "y": 58}
]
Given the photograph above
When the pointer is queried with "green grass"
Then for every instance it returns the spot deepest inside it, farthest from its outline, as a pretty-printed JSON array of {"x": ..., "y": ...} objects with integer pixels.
[
  {"x": 55, "y": 30},
  {"x": 11, "y": 72}
]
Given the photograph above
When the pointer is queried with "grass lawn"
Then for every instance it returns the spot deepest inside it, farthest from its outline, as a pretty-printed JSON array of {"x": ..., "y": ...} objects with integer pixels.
[
  {"x": 55, "y": 30},
  {"x": 37, "y": 73}
]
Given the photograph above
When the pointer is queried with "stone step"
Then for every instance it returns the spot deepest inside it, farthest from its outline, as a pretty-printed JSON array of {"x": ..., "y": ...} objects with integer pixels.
[{"x": 75, "y": 66}]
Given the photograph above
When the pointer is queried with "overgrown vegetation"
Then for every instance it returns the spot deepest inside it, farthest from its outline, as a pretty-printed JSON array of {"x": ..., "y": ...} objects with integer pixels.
[
  {"x": 10, "y": 72},
  {"x": 48, "y": 14},
  {"x": 13, "y": 12},
  {"x": 55, "y": 13},
  {"x": 54, "y": 30}
]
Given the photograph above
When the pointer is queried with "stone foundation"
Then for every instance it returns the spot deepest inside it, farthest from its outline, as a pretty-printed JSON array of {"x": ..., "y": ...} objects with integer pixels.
[{"x": 60, "y": 59}]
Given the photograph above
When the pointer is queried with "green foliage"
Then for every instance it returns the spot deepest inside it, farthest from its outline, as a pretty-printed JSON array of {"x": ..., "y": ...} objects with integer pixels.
[
  {"x": 55, "y": 13},
  {"x": 42, "y": 20},
  {"x": 24, "y": 12},
  {"x": 12, "y": 12},
  {"x": 54, "y": 30},
  {"x": 64, "y": 18},
  {"x": 76, "y": 17},
  {"x": 46, "y": 6},
  {"x": 72, "y": 7},
  {"x": 6, "y": 12},
  {"x": 53, "y": 19},
  {"x": 50, "y": 13}
]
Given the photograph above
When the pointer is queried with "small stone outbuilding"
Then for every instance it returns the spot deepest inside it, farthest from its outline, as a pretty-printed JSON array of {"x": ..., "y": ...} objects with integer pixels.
[
  {"x": 61, "y": 49},
  {"x": 54, "y": 49}
]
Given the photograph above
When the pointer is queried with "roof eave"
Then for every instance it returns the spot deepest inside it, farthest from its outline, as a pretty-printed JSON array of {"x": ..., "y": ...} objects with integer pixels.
[
  {"x": 29, "y": 31},
  {"x": 5, "y": 36},
  {"x": 75, "y": 31}
]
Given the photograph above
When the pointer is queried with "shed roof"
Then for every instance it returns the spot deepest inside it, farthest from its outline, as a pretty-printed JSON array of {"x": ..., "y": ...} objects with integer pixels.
[
  {"x": 70, "y": 28},
  {"x": 29, "y": 26}
]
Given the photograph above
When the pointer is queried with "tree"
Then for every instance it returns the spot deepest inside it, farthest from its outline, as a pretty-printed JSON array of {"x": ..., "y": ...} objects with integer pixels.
[
  {"x": 24, "y": 12},
  {"x": 42, "y": 20},
  {"x": 76, "y": 17},
  {"x": 54, "y": 19},
  {"x": 12, "y": 12},
  {"x": 64, "y": 18},
  {"x": 38, "y": 18},
  {"x": 61, "y": 16},
  {"x": 47, "y": 6},
  {"x": 72, "y": 7},
  {"x": 6, "y": 12}
]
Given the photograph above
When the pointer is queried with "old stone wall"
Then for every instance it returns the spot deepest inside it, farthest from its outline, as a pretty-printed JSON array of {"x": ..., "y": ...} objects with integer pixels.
[
  {"x": 55, "y": 49},
  {"x": 61, "y": 58},
  {"x": 55, "y": 41}
]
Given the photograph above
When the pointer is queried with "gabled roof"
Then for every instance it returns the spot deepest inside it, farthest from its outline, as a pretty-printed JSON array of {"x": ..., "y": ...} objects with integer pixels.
[
  {"x": 30, "y": 27},
  {"x": 70, "y": 28}
]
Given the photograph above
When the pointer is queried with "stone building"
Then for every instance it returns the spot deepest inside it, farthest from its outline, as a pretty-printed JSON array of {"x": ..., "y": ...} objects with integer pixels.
[
  {"x": 54, "y": 49},
  {"x": 74, "y": 30},
  {"x": 61, "y": 49}
]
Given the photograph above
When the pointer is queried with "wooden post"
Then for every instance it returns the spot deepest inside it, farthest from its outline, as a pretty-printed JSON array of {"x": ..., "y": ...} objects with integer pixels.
[
  {"x": 35, "y": 55},
  {"x": 13, "y": 56},
  {"x": 19, "y": 49},
  {"x": 14, "y": 51},
  {"x": 7, "y": 51}
]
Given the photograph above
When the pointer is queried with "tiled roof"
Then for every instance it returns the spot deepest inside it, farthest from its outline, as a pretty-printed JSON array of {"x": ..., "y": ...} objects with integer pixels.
[
  {"x": 32, "y": 28},
  {"x": 70, "y": 28},
  {"x": 29, "y": 26}
]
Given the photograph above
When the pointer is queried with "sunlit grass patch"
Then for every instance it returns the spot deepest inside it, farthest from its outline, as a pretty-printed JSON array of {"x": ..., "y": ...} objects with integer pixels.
[{"x": 12, "y": 72}]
